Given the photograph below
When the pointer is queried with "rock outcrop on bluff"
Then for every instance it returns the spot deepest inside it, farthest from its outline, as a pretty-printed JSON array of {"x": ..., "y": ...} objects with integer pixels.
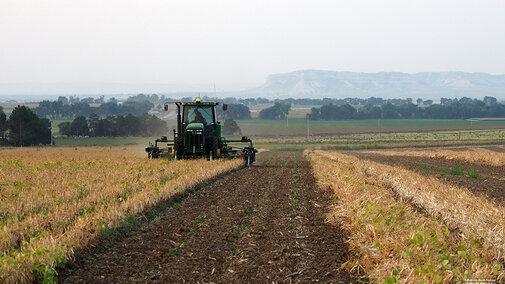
[{"x": 306, "y": 83}]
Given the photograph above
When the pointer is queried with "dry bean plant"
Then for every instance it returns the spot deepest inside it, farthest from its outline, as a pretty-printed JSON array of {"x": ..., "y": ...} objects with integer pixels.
[
  {"x": 407, "y": 227},
  {"x": 56, "y": 200}
]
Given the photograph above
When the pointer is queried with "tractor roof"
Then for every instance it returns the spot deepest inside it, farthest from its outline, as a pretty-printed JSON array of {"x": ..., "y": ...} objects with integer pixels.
[{"x": 197, "y": 102}]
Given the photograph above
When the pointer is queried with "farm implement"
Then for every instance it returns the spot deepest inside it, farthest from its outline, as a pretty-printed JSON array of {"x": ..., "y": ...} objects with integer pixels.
[{"x": 198, "y": 135}]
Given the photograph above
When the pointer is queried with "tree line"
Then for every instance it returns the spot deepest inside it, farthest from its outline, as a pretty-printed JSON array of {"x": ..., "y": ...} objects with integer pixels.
[
  {"x": 291, "y": 101},
  {"x": 145, "y": 125},
  {"x": 69, "y": 109},
  {"x": 24, "y": 128},
  {"x": 452, "y": 109},
  {"x": 376, "y": 101},
  {"x": 158, "y": 101},
  {"x": 60, "y": 110}
]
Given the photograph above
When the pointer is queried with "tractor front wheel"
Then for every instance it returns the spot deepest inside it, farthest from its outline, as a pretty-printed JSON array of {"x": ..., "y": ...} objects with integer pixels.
[
  {"x": 249, "y": 155},
  {"x": 179, "y": 148}
]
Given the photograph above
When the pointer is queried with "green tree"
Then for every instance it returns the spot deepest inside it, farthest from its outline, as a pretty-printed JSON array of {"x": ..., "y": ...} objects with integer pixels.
[
  {"x": 330, "y": 112},
  {"x": 315, "y": 113},
  {"x": 132, "y": 126},
  {"x": 235, "y": 111},
  {"x": 26, "y": 128},
  {"x": 79, "y": 126},
  {"x": 110, "y": 126},
  {"x": 3, "y": 120},
  {"x": 65, "y": 128},
  {"x": 369, "y": 111},
  {"x": 489, "y": 101},
  {"x": 277, "y": 111},
  {"x": 63, "y": 100},
  {"x": 3, "y": 123},
  {"x": 346, "y": 112},
  {"x": 390, "y": 111},
  {"x": 152, "y": 125},
  {"x": 94, "y": 122},
  {"x": 49, "y": 109},
  {"x": 230, "y": 127}
]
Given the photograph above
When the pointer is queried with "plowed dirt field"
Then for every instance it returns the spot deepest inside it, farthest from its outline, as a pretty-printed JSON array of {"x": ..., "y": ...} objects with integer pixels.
[{"x": 261, "y": 224}]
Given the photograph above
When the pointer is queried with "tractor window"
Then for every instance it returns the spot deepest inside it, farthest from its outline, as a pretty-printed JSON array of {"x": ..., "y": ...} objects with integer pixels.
[{"x": 202, "y": 114}]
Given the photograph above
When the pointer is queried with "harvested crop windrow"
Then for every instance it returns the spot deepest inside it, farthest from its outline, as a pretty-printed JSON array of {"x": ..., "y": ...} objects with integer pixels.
[
  {"x": 393, "y": 241},
  {"x": 457, "y": 207},
  {"x": 482, "y": 180},
  {"x": 56, "y": 200},
  {"x": 479, "y": 156}
]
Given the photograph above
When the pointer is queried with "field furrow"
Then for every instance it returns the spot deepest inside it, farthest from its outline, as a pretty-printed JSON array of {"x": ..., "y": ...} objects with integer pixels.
[{"x": 265, "y": 223}]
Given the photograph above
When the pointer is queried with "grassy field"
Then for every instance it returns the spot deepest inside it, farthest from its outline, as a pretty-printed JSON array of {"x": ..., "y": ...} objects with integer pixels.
[
  {"x": 385, "y": 140},
  {"x": 374, "y": 122},
  {"x": 298, "y": 126},
  {"x": 346, "y": 134},
  {"x": 256, "y": 128},
  {"x": 296, "y": 122}
]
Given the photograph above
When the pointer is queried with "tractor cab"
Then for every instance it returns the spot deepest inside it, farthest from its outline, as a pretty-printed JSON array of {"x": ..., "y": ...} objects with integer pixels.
[
  {"x": 198, "y": 134},
  {"x": 199, "y": 116}
]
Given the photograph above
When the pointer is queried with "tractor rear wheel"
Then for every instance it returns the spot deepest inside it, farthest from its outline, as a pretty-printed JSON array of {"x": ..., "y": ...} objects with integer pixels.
[{"x": 211, "y": 148}]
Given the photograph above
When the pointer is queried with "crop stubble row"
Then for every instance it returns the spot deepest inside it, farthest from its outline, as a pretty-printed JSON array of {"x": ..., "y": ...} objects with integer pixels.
[
  {"x": 56, "y": 200},
  {"x": 405, "y": 225}
]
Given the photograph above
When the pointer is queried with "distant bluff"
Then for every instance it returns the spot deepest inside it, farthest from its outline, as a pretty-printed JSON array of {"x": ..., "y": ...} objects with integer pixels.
[{"x": 319, "y": 83}]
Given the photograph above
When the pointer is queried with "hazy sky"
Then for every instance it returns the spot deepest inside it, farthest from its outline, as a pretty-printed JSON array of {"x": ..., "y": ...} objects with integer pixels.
[{"x": 243, "y": 41}]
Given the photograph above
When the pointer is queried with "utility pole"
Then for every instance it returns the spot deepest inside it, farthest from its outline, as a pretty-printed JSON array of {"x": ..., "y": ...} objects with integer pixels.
[
  {"x": 308, "y": 133},
  {"x": 51, "y": 131},
  {"x": 287, "y": 121}
]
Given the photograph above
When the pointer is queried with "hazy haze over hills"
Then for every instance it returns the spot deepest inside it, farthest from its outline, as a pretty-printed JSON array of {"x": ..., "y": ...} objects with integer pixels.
[
  {"x": 115, "y": 89},
  {"x": 296, "y": 84},
  {"x": 318, "y": 83}
]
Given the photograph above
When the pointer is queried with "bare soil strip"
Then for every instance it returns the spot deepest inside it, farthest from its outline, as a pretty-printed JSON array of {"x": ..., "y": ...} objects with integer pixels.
[
  {"x": 490, "y": 184},
  {"x": 260, "y": 224},
  {"x": 499, "y": 149}
]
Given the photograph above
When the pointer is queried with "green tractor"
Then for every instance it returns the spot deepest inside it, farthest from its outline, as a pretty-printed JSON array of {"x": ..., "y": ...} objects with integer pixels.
[{"x": 198, "y": 135}]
